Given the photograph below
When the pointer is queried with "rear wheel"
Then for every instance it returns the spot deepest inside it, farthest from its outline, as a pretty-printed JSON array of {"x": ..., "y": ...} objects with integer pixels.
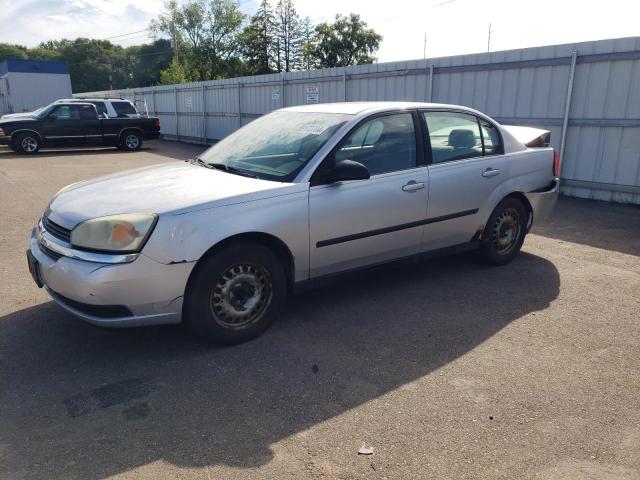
[
  {"x": 235, "y": 294},
  {"x": 131, "y": 141},
  {"x": 26, "y": 144},
  {"x": 505, "y": 231}
]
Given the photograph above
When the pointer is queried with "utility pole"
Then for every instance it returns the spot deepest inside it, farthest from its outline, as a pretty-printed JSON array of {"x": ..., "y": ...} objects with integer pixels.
[
  {"x": 489, "y": 38},
  {"x": 174, "y": 42},
  {"x": 424, "y": 49}
]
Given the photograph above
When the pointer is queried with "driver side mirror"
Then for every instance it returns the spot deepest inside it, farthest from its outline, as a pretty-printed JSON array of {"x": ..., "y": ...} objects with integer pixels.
[
  {"x": 52, "y": 117},
  {"x": 348, "y": 170}
]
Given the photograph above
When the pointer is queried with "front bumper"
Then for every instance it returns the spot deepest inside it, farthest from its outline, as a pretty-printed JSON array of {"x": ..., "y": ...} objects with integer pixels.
[
  {"x": 543, "y": 202},
  {"x": 5, "y": 139},
  {"x": 141, "y": 292}
]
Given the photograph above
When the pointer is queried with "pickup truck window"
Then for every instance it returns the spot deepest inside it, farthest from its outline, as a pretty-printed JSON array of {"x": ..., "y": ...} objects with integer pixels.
[
  {"x": 124, "y": 108},
  {"x": 101, "y": 108},
  {"x": 67, "y": 112}
]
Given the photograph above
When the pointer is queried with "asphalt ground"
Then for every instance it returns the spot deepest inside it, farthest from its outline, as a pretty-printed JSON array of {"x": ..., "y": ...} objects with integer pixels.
[{"x": 449, "y": 369}]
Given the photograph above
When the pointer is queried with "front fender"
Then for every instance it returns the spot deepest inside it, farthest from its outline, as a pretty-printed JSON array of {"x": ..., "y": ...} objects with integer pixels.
[{"x": 187, "y": 237}]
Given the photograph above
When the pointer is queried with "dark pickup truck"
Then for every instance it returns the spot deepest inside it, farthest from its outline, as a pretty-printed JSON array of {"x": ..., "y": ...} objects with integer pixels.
[{"x": 75, "y": 124}]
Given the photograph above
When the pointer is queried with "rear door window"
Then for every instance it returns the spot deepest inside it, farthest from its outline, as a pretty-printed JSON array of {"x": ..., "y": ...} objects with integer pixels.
[
  {"x": 124, "y": 109},
  {"x": 453, "y": 136},
  {"x": 101, "y": 108},
  {"x": 87, "y": 112},
  {"x": 491, "y": 139}
]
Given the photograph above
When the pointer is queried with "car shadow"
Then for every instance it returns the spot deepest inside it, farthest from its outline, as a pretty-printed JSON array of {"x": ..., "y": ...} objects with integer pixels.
[
  {"x": 607, "y": 225},
  {"x": 83, "y": 402}
]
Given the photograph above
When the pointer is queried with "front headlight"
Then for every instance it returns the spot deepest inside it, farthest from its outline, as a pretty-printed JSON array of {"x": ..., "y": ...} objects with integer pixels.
[
  {"x": 2, "y": 133},
  {"x": 115, "y": 233}
]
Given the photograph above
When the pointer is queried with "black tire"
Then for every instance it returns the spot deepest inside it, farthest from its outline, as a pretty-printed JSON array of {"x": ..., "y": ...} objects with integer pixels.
[
  {"x": 234, "y": 294},
  {"x": 130, "y": 141},
  {"x": 26, "y": 143},
  {"x": 505, "y": 232}
]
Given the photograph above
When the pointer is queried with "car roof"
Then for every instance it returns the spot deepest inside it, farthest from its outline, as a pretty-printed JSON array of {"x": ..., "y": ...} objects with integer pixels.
[
  {"x": 355, "y": 108},
  {"x": 93, "y": 100}
]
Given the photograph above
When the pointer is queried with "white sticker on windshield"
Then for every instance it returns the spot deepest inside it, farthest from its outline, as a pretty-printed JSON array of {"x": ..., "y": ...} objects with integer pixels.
[{"x": 313, "y": 129}]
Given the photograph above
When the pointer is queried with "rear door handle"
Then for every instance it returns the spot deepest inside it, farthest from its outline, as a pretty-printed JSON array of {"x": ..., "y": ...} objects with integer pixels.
[
  {"x": 412, "y": 186},
  {"x": 490, "y": 172}
]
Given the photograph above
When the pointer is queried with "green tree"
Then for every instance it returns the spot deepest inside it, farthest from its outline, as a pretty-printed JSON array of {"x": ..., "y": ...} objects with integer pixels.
[
  {"x": 206, "y": 35},
  {"x": 307, "y": 43},
  {"x": 185, "y": 24},
  {"x": 224, "y": 25},
  {"x": 93, "y": 64},
  {"x": 175, "y": 73},
  {"x": 8, "y": 50},
  {"x": 256, "y": 41},
  {"x": 145, "y": 62},
  {"x": 289, "y": 37},
  {"x": 347, "y": 41}
]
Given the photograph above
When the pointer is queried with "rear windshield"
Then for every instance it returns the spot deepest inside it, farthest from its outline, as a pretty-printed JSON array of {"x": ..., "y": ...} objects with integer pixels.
[{"x": 124, "y": 108}]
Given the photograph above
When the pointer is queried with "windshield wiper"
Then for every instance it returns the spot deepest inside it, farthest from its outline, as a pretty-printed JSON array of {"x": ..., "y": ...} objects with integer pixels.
[
  {"x": 198, "y": 161},
  {"x": 238, "y": 171},
  {"x": 230, "y": 169},
  {"x": 223, "y": 167}
]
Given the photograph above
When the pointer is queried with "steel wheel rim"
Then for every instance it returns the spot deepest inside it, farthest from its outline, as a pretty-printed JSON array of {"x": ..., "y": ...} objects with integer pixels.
[
  {"x": 132, "y": 141},
  {"x": 506, "y": 231},
  {"x": 240, "y": 296},
  {"x": 29, "y": 144}
]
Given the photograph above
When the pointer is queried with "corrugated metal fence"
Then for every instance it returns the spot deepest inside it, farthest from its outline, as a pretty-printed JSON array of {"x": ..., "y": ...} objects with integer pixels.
[{"x": 601, "y": 120}]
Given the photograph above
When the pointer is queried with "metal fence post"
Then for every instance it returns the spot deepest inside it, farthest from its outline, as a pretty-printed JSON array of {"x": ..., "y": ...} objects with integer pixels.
[
  {"x": 344, "y": 85},
  {"x": 239, "y": 105},
  {"x": 175, "y": 111},
  {"x": 567, "y": 108},
  {"x": 430, "y": 97},
  {"x": 204, "y": 116},
  {"x": 283, "y": 103}
]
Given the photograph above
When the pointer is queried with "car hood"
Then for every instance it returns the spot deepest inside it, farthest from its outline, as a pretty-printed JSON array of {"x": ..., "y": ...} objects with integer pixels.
[
  {"x": 17, "y": 121},
  {"x": 13, "y": 116},
  {"x": 175, "y": 188}
]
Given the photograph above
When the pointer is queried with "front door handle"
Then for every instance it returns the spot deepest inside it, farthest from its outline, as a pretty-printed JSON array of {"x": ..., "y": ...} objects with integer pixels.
[
  {"x": 412, "y": 186},
  {"x": 490, "y": 172}
]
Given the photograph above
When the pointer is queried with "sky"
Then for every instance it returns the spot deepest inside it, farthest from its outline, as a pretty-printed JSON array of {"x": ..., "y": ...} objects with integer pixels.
[{"x": 452, "y": 27}]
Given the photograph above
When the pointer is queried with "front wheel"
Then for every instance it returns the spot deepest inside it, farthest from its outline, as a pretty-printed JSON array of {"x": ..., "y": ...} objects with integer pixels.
[
  {"x": 131, "y": 141},
  {"x": 235, "y": 294},
  {"x": 505, "y": 231},
  {"x": 26, "y": 144}
]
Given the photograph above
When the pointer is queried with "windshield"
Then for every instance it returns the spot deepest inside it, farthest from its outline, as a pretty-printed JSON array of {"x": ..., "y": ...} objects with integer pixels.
[
  {"x": 44, "y": 111},
  {"x": 276, "y": 146}
]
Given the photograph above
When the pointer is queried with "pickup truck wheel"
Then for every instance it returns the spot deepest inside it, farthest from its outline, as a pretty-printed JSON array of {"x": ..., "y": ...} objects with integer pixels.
[
  {"x": 26, "y": 144},
  {"x": 131, "y": 141},
  {"x": 235, "y": 294},
  {"x": 505, "y": 231}
]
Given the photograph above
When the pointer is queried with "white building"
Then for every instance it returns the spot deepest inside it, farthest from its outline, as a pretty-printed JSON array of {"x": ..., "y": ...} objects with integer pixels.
[{"x": 26, "y": 85}]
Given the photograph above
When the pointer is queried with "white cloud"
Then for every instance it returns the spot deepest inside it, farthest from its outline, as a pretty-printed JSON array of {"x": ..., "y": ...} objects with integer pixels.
[{"x": 452, "y": 27}]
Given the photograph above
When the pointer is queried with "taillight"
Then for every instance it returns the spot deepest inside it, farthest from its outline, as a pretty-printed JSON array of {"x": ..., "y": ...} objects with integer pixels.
[
  {"x": 158, "y": 123},
  {"x": 556, "y": 164}
]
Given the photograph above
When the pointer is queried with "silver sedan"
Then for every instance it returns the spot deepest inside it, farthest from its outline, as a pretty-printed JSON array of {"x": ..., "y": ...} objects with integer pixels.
[{"x": 297, "y": 196}]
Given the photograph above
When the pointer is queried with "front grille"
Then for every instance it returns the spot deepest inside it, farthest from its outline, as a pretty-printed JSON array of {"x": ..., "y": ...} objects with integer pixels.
[
  {"x": 101, "y": 311},
  {"x": 56, "y": 230},
  {"x": 50, "y": 253}
]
